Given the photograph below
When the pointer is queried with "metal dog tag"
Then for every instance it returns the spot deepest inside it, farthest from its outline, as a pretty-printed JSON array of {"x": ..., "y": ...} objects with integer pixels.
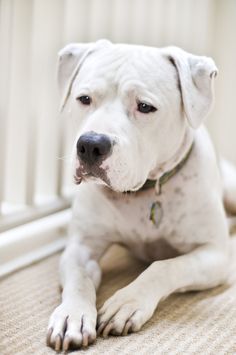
[{"x": 156, "y": 213}]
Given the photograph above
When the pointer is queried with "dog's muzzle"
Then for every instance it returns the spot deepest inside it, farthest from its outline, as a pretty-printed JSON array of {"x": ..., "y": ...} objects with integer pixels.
[{"x": 93, "y": 148}]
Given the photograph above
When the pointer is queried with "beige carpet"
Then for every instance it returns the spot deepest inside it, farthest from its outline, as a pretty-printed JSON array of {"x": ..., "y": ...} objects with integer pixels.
[{"x": 193, "y": 323}]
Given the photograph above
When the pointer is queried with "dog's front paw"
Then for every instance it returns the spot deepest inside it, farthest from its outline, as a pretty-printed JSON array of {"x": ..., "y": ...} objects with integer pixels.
[
  {"x": 72, "y": 326},
  {"x": 125, "y": 312}
]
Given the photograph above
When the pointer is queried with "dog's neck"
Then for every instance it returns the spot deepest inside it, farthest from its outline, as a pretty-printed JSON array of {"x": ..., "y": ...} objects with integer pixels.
[{"x": 161, "y": 174}]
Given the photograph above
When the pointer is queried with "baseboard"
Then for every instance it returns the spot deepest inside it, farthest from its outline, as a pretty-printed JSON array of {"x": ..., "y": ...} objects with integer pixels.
[{"x": 33, "y": 241}]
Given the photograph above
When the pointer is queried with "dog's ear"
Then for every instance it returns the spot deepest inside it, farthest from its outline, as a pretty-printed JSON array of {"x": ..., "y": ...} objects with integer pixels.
[
  {"x": 196, "y": 74},
  {"x": 71, "y": 57}
]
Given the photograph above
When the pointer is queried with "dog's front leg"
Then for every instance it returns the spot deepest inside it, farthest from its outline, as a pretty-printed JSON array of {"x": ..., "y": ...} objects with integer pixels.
[
  {"x": 129, "y": 308},
  {"x": 73, "y": 322}
]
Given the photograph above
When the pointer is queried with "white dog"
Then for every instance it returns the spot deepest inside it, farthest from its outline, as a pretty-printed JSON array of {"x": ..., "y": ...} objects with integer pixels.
[{"x": 150, "y": 181}]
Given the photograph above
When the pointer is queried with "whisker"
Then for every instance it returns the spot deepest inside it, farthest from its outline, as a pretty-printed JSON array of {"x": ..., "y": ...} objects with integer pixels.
[{"x": 65, "y": 158}]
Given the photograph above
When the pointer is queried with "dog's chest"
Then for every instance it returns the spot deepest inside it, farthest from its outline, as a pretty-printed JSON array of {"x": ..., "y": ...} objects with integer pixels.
[
  {"x": 143, "y": 213},
  {"x": 149, "y": 224}
]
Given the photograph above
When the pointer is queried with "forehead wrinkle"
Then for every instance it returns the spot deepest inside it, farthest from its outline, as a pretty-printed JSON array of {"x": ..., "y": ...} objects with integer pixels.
[
  {"x": 114, "y": 72},
  {"x": 131, "y": 87}
]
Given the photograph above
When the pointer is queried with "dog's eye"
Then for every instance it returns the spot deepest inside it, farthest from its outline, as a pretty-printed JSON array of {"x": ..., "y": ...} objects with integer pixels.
[
  {"x": 85, "y": 99},
  {"x": 145, "y": 108}
]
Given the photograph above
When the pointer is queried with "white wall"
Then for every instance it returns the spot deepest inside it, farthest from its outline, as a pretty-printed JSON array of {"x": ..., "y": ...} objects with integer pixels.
[{"x": 222, "y": 122}]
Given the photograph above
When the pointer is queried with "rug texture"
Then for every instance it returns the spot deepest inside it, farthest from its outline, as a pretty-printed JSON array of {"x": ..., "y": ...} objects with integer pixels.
[{"x": 192, "y": 323}]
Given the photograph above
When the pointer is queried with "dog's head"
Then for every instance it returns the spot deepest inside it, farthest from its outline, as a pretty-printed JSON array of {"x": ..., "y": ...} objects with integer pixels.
[{"x": 133, "y": 106}]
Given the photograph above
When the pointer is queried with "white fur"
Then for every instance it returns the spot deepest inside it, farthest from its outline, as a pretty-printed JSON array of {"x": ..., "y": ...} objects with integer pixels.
[{"x": 189, "y": 248}]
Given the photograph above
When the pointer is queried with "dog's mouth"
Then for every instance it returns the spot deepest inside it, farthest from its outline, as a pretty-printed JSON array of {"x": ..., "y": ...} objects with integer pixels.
[
  {"x": 79, "y": 178},
  {"x": 95, "y": 173}
]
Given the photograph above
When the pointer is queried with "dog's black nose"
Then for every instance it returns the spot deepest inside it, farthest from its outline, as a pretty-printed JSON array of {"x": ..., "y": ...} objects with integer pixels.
[{"x": 93, "y": 147}]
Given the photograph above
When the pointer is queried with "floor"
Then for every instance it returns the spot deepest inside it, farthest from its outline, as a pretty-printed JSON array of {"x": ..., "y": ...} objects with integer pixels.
[{"x": 191, "y": 323}]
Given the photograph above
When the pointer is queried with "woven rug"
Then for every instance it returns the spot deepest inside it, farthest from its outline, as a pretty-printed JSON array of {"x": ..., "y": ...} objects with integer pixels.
[{"x": 192, "y": 323}]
